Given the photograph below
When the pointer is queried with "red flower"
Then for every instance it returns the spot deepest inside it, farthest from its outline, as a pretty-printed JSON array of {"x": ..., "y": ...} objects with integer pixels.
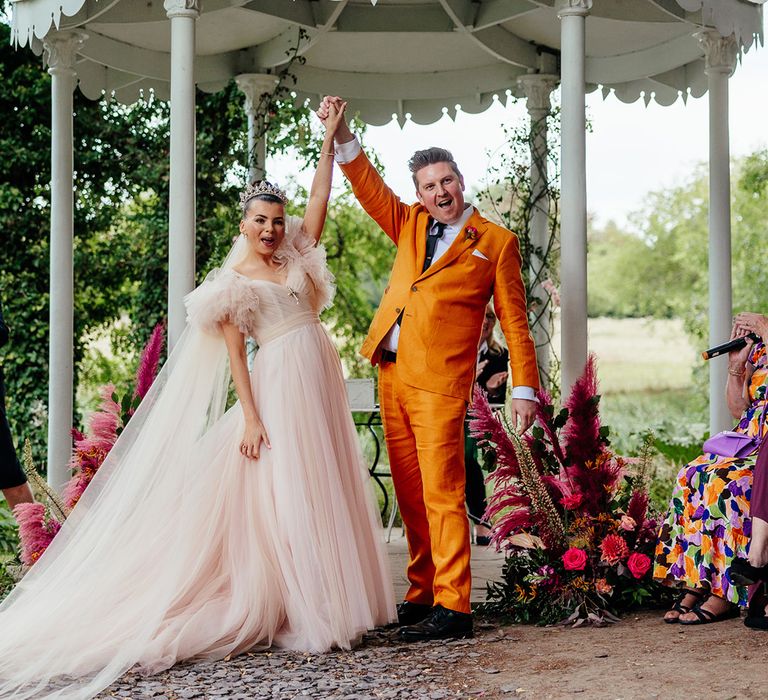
[
  {"x": 572, "y": 501},
  {"x": 575, "y": 559},
  {"x": 470, "y": 233},
  {"x": 638, "y": 564},
  {"x": 613, "y": 549}
]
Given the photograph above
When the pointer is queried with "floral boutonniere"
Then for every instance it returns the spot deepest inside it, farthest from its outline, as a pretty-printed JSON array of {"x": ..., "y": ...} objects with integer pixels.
[{"x": 470, "y": 233}]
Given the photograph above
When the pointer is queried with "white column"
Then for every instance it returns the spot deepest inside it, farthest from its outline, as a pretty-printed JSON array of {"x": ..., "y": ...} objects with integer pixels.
[
  {"x": 537, "y": 88},
  {"x": 253, "y": 86},
  {"x": 181, "y": 210},
  {"x": 573, "y": 184},
  {"x": 721, "y": 54},
  {"x": 60, "y": 50}
]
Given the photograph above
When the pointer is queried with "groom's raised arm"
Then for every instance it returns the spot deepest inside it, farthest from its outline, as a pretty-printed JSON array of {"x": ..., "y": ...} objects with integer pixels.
[{"x": 374, "y": 195}]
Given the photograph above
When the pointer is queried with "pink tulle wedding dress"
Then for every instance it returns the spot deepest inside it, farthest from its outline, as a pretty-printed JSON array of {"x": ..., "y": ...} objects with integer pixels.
[{"x": 181, "y": 548}]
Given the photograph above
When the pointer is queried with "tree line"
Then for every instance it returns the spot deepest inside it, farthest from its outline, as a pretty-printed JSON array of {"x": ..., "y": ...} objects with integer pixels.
[{"x": 658, "y": 265}]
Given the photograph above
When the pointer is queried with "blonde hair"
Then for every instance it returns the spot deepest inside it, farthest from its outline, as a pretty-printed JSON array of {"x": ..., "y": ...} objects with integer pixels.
[{"x": 494, "y": 347}]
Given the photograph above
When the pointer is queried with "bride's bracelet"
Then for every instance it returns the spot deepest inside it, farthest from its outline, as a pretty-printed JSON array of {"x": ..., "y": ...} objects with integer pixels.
[{"x": 326, "y": 153}]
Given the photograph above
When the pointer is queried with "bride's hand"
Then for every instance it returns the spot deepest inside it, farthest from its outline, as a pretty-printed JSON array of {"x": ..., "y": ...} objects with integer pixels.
[{"x": 253, "y": 435}]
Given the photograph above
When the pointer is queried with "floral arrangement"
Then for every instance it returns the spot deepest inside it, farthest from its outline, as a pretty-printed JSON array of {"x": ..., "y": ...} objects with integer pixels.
[
  {"x": 572, "y": 516},
  {"x": 39, "y": 522}
]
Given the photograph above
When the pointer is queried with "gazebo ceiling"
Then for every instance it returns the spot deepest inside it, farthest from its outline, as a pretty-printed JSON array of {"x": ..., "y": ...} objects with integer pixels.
[{"x": 399, "y": 56}]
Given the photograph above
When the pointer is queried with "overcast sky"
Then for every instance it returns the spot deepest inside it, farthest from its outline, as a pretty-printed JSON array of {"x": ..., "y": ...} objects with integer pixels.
[{"x": 633, "y": 149}]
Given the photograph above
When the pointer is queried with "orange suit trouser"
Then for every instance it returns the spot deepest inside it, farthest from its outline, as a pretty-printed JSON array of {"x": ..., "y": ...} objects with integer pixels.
[{"x": 424, "y": 433}]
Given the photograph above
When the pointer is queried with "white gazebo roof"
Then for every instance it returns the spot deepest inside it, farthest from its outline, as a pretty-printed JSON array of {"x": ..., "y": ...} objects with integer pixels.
[{"x": 398, "y": 57}]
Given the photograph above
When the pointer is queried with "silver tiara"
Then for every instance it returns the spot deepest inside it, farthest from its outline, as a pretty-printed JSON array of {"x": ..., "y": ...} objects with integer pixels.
[{"x": 261, "y": 187}]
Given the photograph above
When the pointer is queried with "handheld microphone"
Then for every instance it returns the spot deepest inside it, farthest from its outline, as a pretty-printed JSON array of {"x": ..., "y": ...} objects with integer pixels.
[{"x": 735, "y": 344}]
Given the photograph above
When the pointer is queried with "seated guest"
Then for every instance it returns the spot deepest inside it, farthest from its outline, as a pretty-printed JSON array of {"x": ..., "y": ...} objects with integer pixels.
[
  {"x": 708, "y": 526},
  {"x": 492, "y": 366},
  {"x": 13, "y": 483}
]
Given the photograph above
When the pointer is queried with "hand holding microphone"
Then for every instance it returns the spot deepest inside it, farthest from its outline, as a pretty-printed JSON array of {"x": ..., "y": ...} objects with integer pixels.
[
  {"x": 748, "y": 328},
  {"x": 750, "y": 322}
]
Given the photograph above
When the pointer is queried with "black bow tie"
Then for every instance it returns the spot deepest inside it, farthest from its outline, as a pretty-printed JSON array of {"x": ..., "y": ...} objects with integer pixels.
[{"x": 435, "y": 234}]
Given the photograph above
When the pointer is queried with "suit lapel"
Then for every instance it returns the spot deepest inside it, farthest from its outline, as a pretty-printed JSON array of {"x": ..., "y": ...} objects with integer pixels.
[
  {"x": 420, "y": 239},
  {"x": 463, "y": 241}
]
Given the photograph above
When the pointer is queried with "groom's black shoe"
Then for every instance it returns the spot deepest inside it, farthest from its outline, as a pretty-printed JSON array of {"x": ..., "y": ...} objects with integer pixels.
[
  {"x": 410, "y": 613},
  {"x": 441, "y": 624}
]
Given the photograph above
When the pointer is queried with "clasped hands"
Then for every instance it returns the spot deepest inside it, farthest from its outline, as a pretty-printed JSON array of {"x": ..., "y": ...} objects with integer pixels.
[{"x": 331, "y": 113}]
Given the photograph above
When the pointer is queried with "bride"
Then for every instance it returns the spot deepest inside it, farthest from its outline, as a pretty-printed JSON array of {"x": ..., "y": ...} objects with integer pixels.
[{"x": 207, "y": 533}]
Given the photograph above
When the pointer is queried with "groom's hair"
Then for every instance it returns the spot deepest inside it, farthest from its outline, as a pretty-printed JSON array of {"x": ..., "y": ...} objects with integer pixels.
[{"x": 430, "y": 156}]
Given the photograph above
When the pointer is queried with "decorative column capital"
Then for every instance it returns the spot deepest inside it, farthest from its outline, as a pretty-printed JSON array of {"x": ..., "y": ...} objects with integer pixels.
[
  {"x": 566, "y": 8},
  {"x": 537, "y": 88},
  {"x": 60, "y": 49},
  {"x": 182, "y": 8},
  {"x": 720, "y": 52},
  {"x": 253, "y": 86}
]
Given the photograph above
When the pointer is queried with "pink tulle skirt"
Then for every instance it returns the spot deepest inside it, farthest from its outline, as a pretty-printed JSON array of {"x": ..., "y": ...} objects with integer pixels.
[{"x": 211, "y": 554}]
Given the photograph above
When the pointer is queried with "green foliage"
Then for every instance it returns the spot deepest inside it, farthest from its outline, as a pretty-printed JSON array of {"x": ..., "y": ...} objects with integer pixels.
[
  {"x": 9, "y": 546},
  {"x": 678, "y": 422},
  {"x": 9, "y": 541},
  {"x": 620, "y": 263}
]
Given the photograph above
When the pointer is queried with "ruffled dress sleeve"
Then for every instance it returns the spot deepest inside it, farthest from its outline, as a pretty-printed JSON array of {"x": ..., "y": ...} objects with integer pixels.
[
  {"x": 223, "y": 296},
  {"x": 305, "y": 258}
]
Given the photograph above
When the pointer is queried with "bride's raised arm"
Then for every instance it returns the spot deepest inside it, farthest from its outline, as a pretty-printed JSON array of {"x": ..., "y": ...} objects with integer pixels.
[{"x": 319, "y": 193}]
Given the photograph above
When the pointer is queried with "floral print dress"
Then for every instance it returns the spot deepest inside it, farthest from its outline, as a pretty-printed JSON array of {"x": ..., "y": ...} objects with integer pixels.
[{"x": 708, "y": 523}]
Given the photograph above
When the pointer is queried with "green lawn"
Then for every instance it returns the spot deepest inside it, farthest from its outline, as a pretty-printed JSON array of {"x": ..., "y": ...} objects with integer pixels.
[
  {"x": 645, "y": 368},
  {"x": 636, "y": 354}
]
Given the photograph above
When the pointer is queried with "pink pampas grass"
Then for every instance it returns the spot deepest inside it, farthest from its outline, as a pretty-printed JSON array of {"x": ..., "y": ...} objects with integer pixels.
[
  {"x": 90, "y": 450},
  {"x": 36, "y": 530},
  {"x": 637, "y": 508},
  {"x": 149, "y": 362},
  {"x": 581, "y": 433},
  {"x": 486, "y": 428}
]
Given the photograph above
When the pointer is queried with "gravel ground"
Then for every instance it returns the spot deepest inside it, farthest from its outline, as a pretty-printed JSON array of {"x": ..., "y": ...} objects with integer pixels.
[
  {"x": 640, "y": 658},
  {"x": 382, "y": 667}
]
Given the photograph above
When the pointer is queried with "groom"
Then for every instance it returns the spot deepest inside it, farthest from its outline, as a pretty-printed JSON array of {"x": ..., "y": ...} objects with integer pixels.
[{"x": 424, "y": 337}]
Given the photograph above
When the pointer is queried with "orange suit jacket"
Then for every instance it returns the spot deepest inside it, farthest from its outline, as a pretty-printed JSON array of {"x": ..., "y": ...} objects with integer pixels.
[{"x": 443, "y": 308}]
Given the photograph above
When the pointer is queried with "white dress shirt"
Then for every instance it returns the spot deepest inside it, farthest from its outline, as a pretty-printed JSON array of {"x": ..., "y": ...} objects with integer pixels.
[{"x": 347, "y": 152}]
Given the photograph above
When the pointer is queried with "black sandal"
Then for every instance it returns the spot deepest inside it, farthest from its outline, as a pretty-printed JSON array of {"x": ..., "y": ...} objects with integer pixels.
[
  {"x": 705, "y": 617},
  {"x": 677, "y": 606}
]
